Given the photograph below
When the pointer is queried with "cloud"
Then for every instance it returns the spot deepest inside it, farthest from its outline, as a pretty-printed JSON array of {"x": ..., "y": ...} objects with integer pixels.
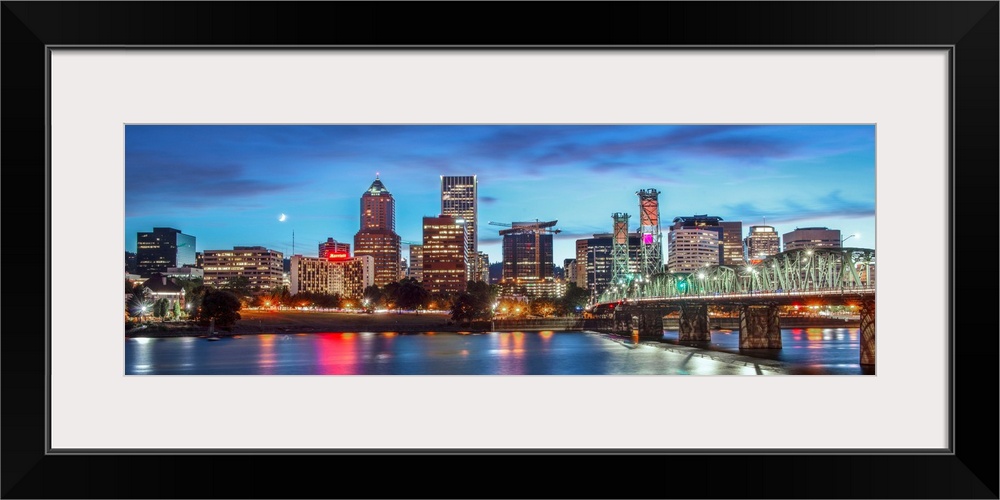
[
  {"x": 151, "y": 183},
  {"x": 830, "y": 205},
  {"x": 488, "y": 200}
]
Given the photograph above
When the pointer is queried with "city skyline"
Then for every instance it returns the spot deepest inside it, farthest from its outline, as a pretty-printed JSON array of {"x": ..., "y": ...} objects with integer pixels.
[{"x": 232, "y": 185}]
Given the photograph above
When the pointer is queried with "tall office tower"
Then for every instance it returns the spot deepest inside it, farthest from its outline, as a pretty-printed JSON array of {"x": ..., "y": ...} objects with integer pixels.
[
  {"x": 527, "y": 251},
  {"x": 619, "y": 248},
  {"x": 649, "y": 228},
  {"x": 262, "y": 267},
  {"x": 162, "y": 248},
  {"x": 694, "y": 242},
  {"x": 569, "y": 267},
  {"x": 445, "y": 262},
  {"x": 761, "y": 243},
  {"x": 598, "y": 260},
  {"x": 377, "y": 236},
  {"x": 483, "y": 267},
  {"x": 581, "y": 263},
  {"x": 332, "y": 249},
  {"x": 416, "y": 270},
  {"x": 811, "y": 237},
  {"x": 732, "y": 243},
  {"x": 459, "y": 198}
]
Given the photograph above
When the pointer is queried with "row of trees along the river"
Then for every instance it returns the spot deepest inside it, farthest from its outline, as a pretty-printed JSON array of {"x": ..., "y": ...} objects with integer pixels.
[{"x": 480, "y": 301}]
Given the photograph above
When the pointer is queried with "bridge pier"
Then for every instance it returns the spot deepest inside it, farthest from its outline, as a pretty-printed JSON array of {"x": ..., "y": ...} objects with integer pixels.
[
  {"x": 650, "y": 323},
  {"x": 868, "y": 332},
  {"x": 760, "y": 327},
  {"x": 693, "y": 323},
  {"x": 621, "y": 324}
]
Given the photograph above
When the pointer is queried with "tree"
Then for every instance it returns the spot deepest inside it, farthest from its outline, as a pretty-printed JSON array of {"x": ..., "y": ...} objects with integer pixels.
[
  {"x": 239, "y": 285},
  {"x": 221, "y": 305},
  {"x": 408, "y": 294},
  {"x": 373, "y": 296},
  {"x": 160, "y": 307},
  {"x": 543, "y": 306},
  {"x": 189, "y": 284},
  {"x": 139, "y": 301},
  {"x": 463, "y": 309},
  {"x": 195, "y": 296},
  {"x": 575, "y": 299},
  {"x": 476, "y": 302}
]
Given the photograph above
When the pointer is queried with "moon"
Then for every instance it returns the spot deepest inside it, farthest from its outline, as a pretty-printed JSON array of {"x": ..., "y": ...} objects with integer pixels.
[{"x": 281, "y": 218}]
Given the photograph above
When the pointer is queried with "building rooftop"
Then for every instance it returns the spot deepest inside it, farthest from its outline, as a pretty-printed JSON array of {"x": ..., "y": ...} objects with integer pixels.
[{"x": 377, "y": 188}]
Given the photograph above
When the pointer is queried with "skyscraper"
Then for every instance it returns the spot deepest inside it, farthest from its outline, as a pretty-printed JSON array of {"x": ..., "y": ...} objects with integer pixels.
[
  {"x": 732, "y": 243},
  {"x": 416, "y": 270},
  {"x": 332, "y": 249},
  {"x": 595, "y": 260},
  {"x": 527, "y": 251},
  {"x": 445, "y": 259},
  {"x": 162, "y": 248},
  {"x": 761, "y": 243},
  {"x": 694, "y": 242},
  {"x": 377, "y": 236},
  {"x": 459, "y": 195}
]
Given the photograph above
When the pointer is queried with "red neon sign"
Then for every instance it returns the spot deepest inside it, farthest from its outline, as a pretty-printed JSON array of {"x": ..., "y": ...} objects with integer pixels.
[{"x": 337, "y": 256}]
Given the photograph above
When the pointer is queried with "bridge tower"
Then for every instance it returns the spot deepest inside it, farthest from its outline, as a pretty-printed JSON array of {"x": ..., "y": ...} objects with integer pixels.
[
  {"x": 619, "y": 249},
  {"x": 651, "y": 240}
]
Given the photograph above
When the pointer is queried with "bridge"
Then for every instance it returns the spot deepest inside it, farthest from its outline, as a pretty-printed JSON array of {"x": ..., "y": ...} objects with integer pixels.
[{"x": 818, "y": 276}]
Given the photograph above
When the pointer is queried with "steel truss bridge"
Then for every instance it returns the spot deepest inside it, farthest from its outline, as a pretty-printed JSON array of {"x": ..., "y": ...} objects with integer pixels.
[{"x": 829, "y": 276}]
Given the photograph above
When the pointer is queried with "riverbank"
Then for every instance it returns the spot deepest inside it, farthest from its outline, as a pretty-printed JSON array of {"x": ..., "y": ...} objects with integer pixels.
[{"x": 258, "y": 322}]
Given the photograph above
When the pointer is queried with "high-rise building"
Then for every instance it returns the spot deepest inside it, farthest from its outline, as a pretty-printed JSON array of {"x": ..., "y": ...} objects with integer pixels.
[
  {"x": 162, "y": 248},
  {"x": 811, "y": 237},
  {"x": 595, "y": 272},
  {"x": 262, "y": 267},
  {"x": 761, "y": 243},
  {"x": 445, "y": 258},
  {"x": 483, "y": 267},
  {"x": 732, "y": 243},
  {"x": 416, "y": 269},
  {"x": 345, "y": 277},
  {"x": 459, "y": 198},
  {"x": 581, "y": 263},
  {"x": 694, "y": 242},
  {"x": 569, "y": 267},
  {"x": 377, "y": 236},
  {"x": 332, "y": 248},
  {"x": 527, "y": 251}
]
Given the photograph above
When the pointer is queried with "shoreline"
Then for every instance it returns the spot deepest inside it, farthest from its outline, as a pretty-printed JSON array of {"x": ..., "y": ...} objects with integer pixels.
[{"x": 255, "y": 322}]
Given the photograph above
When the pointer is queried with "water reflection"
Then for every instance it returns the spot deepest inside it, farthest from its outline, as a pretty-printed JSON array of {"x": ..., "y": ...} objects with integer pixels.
[
  {"x": 828, "y": 351},
  {"x": 811, "y": 351}
]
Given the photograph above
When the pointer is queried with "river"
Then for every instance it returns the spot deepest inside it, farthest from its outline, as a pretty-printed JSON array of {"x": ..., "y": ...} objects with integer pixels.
[{"x": 815, "y": 351}]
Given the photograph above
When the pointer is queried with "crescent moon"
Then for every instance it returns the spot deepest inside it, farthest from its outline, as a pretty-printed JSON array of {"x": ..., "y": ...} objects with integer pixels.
[{"x": 282, "y": 218}]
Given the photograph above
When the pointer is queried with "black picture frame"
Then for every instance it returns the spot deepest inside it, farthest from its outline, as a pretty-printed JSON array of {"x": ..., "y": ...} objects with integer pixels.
[{"x": 970, "y": 29}]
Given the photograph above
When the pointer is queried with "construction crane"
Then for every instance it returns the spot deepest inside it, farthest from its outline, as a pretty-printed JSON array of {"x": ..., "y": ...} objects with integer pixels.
[{"x": 537, "y": 226}]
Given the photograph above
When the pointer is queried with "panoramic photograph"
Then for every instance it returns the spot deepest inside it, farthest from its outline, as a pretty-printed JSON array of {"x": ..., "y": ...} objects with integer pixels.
[{"x": 530, "y": 249}]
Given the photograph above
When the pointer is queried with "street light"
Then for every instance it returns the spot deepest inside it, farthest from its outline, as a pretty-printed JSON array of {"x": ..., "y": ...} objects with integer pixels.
[{"x": 842, "y": 240}]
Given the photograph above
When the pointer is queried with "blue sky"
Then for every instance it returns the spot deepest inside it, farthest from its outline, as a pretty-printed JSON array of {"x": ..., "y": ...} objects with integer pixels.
[{"x": 229, "y": 185}]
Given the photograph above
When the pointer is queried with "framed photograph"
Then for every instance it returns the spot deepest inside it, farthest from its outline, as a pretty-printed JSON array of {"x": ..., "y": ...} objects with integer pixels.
[{"x": 870, "y": 122}]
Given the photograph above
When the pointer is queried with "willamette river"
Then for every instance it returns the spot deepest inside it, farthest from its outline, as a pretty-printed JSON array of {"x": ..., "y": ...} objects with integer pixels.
[{"x": 818, "y": 351}]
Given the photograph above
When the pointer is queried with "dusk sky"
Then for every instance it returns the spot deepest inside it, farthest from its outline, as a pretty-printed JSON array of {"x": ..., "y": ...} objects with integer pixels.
[{"x": 229, "y": 185}]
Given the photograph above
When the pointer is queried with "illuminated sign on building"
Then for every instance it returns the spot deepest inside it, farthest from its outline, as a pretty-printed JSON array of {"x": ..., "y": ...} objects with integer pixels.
[{"x": 337, "y": 256}]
